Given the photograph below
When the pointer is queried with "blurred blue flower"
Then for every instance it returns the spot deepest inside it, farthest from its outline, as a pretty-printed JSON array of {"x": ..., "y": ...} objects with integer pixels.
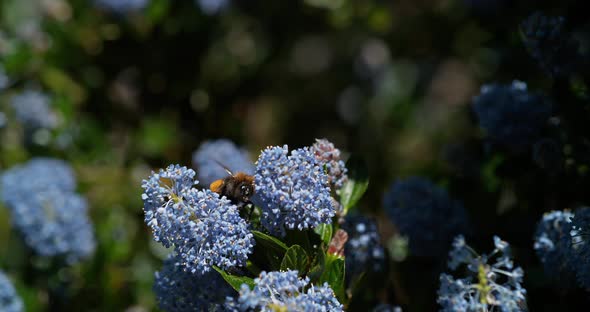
[
  {"x": 553, "y": 243},
  {"x": 211, "y": 7},
  {"x": 386, "y": 308},
  {"x": 9, "y": 299},
  {"x": 510, "y": 114},
  {"x": 208, "y": 157},
  {"x": 32, "y": 109},
  {"x": 36, "y": 175},
  {"x": 178, "y": 290},
  {"x": 580, "y": 246},
  {"x": 549, "y": 44},
  {"x": 284, "y": 291},
  {"x": 488, "y": 286},
  {"x": 329, "y": 157},
  {"x": 425, "y": 214},
  {"x": 52, "y": 219},
  {"x": 363, "y": 249},
  {"x": 293, "y": 189},
  {"x": 122, "y": 6},
  {"x": 205, "y": 229}
]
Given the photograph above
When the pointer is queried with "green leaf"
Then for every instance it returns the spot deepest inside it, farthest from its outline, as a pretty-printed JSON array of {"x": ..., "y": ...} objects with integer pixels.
[
  {"x": 295, "y": 259},
  {"x": 270, "y": 242},
  {"x": 334, "y": 275},
  {"x": 357, "y": 184},
  {"x": 324, "y": 230},
  {"x": 235, "y": 281},
  {"x": 317, "y": 268}
]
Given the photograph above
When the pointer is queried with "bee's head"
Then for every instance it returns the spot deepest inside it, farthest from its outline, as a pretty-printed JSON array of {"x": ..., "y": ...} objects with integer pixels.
[{"x": 246, "y": 191}]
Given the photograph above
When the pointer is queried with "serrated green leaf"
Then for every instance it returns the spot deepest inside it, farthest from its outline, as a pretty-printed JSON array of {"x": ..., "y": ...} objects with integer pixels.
[
  {"x": 324, "y": 230},
  {"x": 334, "y": 275},
  {"x": 269, "y": 241},
  {"x": 235, "y": 281},
  {"x": 295, "y": 259},
  {"x": 357, "y": 184}
]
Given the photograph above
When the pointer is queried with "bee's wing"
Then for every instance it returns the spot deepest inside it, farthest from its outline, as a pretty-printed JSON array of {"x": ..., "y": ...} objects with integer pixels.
[
  {"x": 216, "y": 186},
  {"x": 224, "y": 168}
]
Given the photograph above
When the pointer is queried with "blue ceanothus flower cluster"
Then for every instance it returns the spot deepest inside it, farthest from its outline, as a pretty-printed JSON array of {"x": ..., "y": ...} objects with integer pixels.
[
  {"x": 488, "y": 286},
  {"x": 9, "y": 299},
  {"x": 212, "y": 155},
  {"x": 426, "y": 214},
  {"x": 122, "y": 6},
  {"x": 552, "y": 245},
  {"x": 363, "y": 250},
  {"x": 549, "y": 44},
  {"x": 284, "y": 291},
  {"x": 45, "y": 209},
  {"x": 579, "y": 256},
  {"x": 32, "y": 108},
  {"x": 182, "y": 291},
  {"x": 293, "y": 189},
  {"x": 511, "y": 115},
  {"x": 206, "y": 230}
]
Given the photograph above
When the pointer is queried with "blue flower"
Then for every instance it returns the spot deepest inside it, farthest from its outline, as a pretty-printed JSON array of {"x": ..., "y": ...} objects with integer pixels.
[
  {"x": 205, "y": 229},
  {"x": 51, "y": 217},
  {"x": 9, "y": 299},
  {"x": 488, "y": 286},
  {"x": 549, "y": 44},
  {"x": 386, "y": 308},
  {"x": 580, "y": 246},
  {"x": 211, "y": 7},
  {"x": 178, "y": 290},
  {"x": 329, "y": 157},
  {"x": 425, "y": 214},
  {"x": 37, "y": 174},
  {"x": 293, "y": 189},
  {"x": 553, "y": 243},
  {"x": 122, "y": 6},
  {"x": 363, "y": 249},
  {"x": 208, "y": 157},
  {"x": 32, "y": 109},
  {"x": 510, "y": 114},
  {"x": 284, "y": 291}
]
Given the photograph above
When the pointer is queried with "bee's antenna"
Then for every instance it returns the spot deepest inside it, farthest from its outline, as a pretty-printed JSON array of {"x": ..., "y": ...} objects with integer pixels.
[{"x": 224, "y": 167}]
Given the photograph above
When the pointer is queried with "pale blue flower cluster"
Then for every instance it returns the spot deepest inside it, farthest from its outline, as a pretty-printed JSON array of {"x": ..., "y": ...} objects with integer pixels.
[
  {"x": 211, "y": 7},
  {"x": 285, "y": 291},
  {"x": 553, "y": 243},
  {"x": 488, "y": 286},
  {"x": 179, "y": 290},
  {"x": 293, "y": 189},
  {"x": 426, "y": 214},
  {"x": 329, "y": 157},
  {"x": 204, "y": 229},
  {"x": 212, "y": 155},
  {"x": 51, "y": 217},
  {"x": 9, "y": 299},
  {"x": 510, "y": 114},
  {"x": 579, "y": 256},
  {"x": 122, "y": 6},
  {"x": 363, "y": 249},
  {"x": 32, "y": 108}
]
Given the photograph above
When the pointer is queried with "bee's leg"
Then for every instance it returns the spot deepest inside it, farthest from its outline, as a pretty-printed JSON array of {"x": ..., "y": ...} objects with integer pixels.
[{"x": 249, "y": 203}]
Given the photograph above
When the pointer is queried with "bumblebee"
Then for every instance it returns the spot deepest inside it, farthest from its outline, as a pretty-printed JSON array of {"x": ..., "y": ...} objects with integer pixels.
[{"x": 238, "y": 187}]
